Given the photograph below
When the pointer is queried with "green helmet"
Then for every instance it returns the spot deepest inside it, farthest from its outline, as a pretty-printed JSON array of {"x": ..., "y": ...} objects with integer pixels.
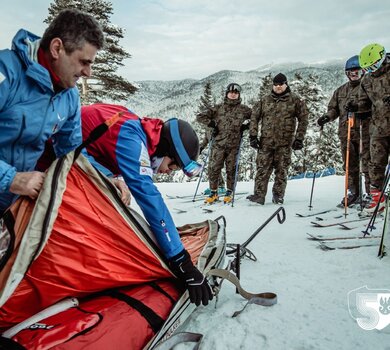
[{"x": 371, "y": 57}]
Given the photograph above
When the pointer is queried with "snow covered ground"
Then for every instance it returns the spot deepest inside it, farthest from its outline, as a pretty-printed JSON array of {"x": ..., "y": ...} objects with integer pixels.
[{"x": 312, "y": 285}]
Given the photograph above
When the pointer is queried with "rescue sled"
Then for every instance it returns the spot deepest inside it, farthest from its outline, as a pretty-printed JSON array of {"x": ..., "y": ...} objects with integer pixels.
[{"x": 79, "y": 270}]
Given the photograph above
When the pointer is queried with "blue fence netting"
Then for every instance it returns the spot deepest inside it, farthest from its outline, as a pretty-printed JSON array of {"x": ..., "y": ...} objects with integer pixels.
[{"x": 310, "y": 174}]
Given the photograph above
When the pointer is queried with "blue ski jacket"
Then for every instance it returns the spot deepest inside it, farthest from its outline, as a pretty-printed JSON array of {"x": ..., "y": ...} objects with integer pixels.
[{"x": 31, "y": 112}]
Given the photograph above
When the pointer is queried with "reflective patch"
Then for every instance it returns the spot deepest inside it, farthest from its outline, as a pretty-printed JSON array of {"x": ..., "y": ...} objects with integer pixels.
[
  {"x": 146, "y": 171},
  {"x": 2, "y": 77},
  {"x": 144, "y": 161}
]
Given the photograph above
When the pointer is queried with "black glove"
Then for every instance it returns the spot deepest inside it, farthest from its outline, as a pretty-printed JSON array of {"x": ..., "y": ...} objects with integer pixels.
[
  {"x": 244, "y": 127},
  {"x": 213, "y": 125},
  {"x": 386, "y": 101},
  {"x": 254, "y": 142},
  {"x": 323, "y": 120},
  {"x": 197, "y": 285},
  {"x": 363, "y": 115},
  {"x": 351, "y": 107},
  {"x": 297, "y": 145}
]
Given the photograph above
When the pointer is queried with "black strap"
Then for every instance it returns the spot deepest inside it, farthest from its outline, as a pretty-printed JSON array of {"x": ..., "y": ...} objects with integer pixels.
[
  {"x": 9, "y": 222},
  {"x": 157, "y": 287},
  {"x": 154, "y": 320}
]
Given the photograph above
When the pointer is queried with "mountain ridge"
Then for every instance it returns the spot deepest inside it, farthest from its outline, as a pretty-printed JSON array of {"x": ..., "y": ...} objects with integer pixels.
[{"x": 180, "y": 98}]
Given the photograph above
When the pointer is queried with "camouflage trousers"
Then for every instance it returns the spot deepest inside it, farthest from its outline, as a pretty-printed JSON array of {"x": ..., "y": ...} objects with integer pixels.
[
  {"x": 379, "y": 151},
  {"x": 269, "y": 160},
  {"x": 221, "y": 156},
  {"x": 354, "y": 162}
]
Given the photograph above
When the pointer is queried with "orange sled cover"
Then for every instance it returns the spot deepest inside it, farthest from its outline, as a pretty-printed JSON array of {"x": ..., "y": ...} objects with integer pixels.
[{"x": 78, "y": 240}]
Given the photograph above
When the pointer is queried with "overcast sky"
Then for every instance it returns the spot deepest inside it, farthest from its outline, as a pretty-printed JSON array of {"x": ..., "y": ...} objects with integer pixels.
[{"x": 177, "y": 39}]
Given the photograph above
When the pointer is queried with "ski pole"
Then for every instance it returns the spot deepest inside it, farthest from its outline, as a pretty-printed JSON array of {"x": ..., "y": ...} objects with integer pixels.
[
  {"x": 350, "y": 125},
  {"x": 236, "y": 172},
  {"x": 370, "y": 225},
  {"x": 315, "y": 170},
  {"x": 204, "y": 165},
  {"x": 361, "y": 164},
  {"x": 382, "y": 248}
]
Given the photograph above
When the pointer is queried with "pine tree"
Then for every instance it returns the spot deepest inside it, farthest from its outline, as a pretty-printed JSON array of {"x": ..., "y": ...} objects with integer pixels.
[
  {"x": 265, "y": 86},
  {"x": 207, "y": 100},
  {"x": 318, "y": 152},
  {"x": 105, "y": 85}
]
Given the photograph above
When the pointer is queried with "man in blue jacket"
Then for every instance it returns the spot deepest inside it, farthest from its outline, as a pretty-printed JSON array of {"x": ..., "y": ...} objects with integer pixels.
[{"x": 39, "y": 99}]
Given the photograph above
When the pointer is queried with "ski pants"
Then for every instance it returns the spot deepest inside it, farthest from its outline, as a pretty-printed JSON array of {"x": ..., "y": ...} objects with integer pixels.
[
  {"x": 220, "y": 156},
  {"x": 268, "y": 160},
  {"x": 354, "y": 166},
  {"x": 379, "y": 151}
]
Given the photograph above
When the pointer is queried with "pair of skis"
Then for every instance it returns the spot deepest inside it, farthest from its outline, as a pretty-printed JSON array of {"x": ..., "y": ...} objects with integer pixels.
[{"x": 332, "y": 241}]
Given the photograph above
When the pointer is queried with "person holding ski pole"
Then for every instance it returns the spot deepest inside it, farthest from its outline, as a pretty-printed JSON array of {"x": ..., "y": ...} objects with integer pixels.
[
  {"x": 136, "y": 148},
  {"x": 342, "y": 98},
  {"x": 203, "y": 144},
  {"x": 375, "y": 91},
  {"x": 283, "y": 118},
  {"x": 228, "y": 123},
  {"x": 39, "y": 98}
]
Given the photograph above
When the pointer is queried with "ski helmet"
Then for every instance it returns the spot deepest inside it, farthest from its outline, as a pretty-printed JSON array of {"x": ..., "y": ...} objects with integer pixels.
[
  {"x": 178, "y": 140},
  {"x": 233, "y": 87},
  {"x": 371, "y": 57},
  {"x": 352, "y": 63}
]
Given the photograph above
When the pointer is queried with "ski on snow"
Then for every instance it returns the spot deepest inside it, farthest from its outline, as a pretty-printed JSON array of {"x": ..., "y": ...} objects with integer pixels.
[
  {"x": 350, "y": 243},
  {"x": 199, "y": 197},
  {"x": 342, "y": 224},
  {"x": 309, "y": 214},
  {"x": 336, "y": 237}
]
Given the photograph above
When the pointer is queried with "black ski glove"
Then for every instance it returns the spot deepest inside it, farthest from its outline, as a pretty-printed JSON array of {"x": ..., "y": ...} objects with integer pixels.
[
  {"x": 386, "y": 101},
  {"x": 323, "y": 120},
  {"x": 244, "y": 127},
  {"x": 213, "y": 125},
  {"x": 351, "y": 107},
  {"x": 363, "y": 115},
  {"x": 197, "y": 285},
  {"x": 254, "y": 142},
  {"x": 297, "y": 145}
]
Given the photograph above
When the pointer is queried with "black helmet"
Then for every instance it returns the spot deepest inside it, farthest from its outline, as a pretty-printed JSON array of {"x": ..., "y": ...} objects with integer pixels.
[
  {"x": 233, "y": 87},
  {"x": 179, "y": 141}
]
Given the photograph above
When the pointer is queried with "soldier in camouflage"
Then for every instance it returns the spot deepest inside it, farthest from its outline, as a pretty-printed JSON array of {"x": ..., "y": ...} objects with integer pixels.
[
  {"x": 375, "y": 91},
  {"x": 278, "y": 115},
  {"x": 205, "y": 141},
  {"x": 336, "y": 109},
  {"x": 228, "y": 123}
]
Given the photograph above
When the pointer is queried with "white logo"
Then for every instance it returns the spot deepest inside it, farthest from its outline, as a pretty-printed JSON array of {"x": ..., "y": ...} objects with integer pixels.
[
  {"x": 59, "y": 117},
  {"x": 370, "y": 307},
  {"x": 2, "y": 77}
]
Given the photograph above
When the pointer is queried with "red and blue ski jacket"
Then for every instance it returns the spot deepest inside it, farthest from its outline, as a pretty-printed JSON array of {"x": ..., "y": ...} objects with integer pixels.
[{"x": 125, "y": 149}]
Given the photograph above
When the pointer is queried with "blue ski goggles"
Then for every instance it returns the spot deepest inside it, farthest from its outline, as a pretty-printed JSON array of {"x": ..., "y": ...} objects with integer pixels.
[
  {"x": 375, "y": 66},
  {"x": 190, "y": 167}
]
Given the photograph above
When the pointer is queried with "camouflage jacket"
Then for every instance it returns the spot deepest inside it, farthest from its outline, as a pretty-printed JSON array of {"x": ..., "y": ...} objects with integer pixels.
[
  {"x": 277, "y": 116},
  {"x": 336, "y": 109},
  {"x": 228, "y": 116},
  {"x": 373, "y": 88}
]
